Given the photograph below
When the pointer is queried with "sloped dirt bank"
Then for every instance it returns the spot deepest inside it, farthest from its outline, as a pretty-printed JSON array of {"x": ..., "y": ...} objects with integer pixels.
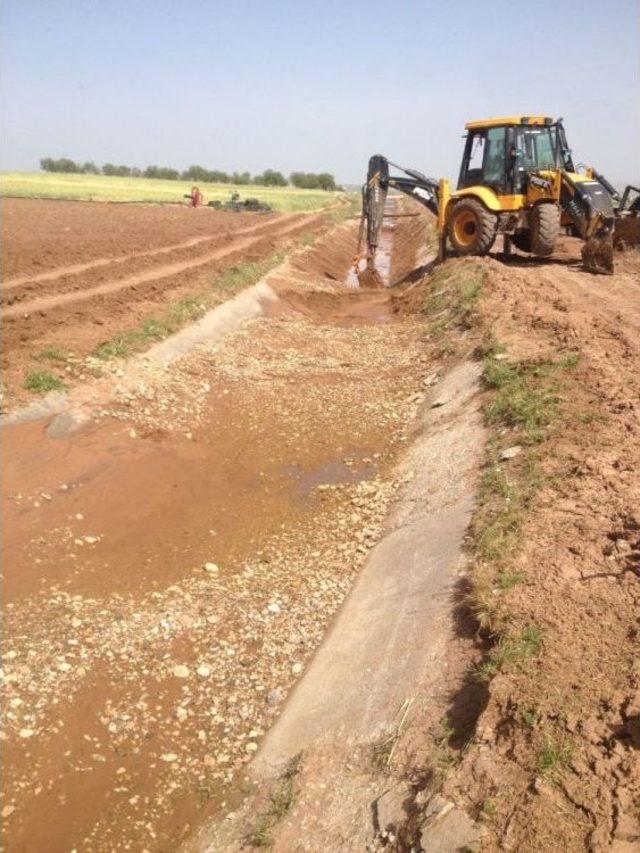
[{"x": 553, "y": 762}]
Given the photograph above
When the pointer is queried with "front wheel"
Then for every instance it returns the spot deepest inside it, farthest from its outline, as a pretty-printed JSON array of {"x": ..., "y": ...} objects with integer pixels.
[
  {"x": 472, "y": 228},
  {"x": 544, "y": 228}
]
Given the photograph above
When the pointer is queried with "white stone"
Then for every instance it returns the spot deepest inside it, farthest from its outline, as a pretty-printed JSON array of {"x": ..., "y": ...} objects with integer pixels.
[{"x": 181, "y": 671}]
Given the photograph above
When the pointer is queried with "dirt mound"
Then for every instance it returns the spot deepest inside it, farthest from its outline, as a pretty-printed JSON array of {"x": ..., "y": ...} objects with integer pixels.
[
  {"x": 555, "y": 761},
  {"x": 627, "y": 232}
]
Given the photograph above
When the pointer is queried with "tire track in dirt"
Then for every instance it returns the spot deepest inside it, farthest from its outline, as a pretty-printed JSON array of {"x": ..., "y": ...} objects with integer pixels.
[
  {"x": 97, "y": 273},
  {"x": 76, "y": 269},
  {"x": 154, "y": 274}
]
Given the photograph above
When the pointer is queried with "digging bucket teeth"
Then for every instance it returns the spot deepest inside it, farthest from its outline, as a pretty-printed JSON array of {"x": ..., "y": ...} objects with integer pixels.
[
  {"x": 370, "y": 277},
  {"x": 597, "y": 254}
]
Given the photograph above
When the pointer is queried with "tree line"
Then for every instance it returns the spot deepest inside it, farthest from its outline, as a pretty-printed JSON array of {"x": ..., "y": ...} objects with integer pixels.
[{"x": 269, "y": 178}]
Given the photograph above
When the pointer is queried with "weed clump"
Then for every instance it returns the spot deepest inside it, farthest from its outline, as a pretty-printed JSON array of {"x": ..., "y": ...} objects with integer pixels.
[
  {"x": 452, "y": 297},
  {"x": 513, "y": 650},
  {"x": 553, "y": 755},
  {"x": 41, "y": 381},
  {"x": 280, "y": 803}
]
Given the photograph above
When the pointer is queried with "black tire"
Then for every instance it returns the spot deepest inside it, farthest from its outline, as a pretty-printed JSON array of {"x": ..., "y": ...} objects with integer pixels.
[
  {"x": 544, "y": 226},
  {"x": 472, "y": 228}
]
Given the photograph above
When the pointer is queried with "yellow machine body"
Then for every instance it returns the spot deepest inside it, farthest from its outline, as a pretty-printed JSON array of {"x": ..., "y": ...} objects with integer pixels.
[{"x": 517, "y": 180}]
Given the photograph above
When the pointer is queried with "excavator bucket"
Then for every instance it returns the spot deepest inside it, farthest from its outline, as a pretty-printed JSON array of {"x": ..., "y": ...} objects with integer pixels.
[
  {"x": 370, "y": 279},
  {"x": 597, "y": 255}
]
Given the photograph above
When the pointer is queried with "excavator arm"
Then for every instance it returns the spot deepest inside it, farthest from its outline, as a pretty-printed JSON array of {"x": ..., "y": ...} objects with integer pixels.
[{"x": 374, "y": 195}]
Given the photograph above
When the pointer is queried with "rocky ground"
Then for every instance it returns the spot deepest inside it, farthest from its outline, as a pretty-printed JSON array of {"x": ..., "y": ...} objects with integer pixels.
[{"x": 173, "y": 564}]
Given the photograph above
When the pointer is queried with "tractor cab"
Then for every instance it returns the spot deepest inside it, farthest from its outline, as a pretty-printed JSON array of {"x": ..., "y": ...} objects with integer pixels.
[{"x": 500, "y": 153}]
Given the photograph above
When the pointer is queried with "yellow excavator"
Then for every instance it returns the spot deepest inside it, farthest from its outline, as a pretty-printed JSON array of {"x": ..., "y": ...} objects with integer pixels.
[{"x": 517, "y": 179}]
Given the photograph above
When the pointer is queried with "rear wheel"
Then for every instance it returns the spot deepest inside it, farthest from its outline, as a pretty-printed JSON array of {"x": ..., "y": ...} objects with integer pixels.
[
  {"x": 544, "y": 227},
  {"x": 472, "y": 228}
]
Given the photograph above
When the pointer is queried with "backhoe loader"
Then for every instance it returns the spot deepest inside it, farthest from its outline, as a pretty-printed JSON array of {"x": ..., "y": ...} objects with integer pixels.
[{"x": 517, "y": 179}]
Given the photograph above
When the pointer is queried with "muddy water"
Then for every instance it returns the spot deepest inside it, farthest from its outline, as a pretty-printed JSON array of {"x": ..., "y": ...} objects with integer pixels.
[
  {"x": 383, "y": 256},
  {"x": 109, "y": 532}
]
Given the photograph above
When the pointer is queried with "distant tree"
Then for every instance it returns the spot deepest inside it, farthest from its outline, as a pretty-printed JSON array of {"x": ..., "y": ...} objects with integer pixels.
[
  {"x": 269, "y": 178},
  {"x": 305, "y": 180},
  {"x": 241, "y": 178},
  {"x": 218, "y": 177},
  {"x": 326, "y": 181},
  {"x": 64, "y": 164},
  {"x": 90, "y": 168},
  {"x": 68, "y": 166},
  {"x": 197, "y": 173},
  {"x": 109, "y": 169},
  {"x": 162, "y": 172},
  {"x": 312, "y": 181},
  {"x": 135, "y": 172}
]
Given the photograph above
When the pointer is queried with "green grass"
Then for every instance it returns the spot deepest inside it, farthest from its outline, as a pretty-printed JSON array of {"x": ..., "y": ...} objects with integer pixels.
[
  {"x": 280, "y": 803},
  {"x": 41, "y": 381},
  {"x": 553, "y": 755},
  {"x": 187, "y": 310},
  {"x": 452, "y": 297},
  {"x": 521, "y": 399},
  {"x": 511, "y": 650},
  {"x": 530, "y": 717},
  {"x": 51, "y": 354},
  {"x": 103, "y": 188}
]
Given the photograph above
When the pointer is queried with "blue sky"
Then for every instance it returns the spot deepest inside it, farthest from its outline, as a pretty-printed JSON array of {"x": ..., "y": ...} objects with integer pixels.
[{"x": 312, "y": 85}]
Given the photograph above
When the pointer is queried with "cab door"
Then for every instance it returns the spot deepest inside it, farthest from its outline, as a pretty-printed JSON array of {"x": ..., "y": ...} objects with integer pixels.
[{"x": 485, "y": 160}]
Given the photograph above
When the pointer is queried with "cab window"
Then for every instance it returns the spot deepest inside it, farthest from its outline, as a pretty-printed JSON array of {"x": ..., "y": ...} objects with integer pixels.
[
  {"x": 485, "y": 159},
  {"x": 494, "y": 158},
  {"x": 535, "y": 149}
]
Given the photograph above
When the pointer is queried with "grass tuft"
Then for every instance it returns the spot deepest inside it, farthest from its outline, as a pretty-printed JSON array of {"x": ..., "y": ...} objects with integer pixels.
[
  {"x": 452, "y": 297},
  {"x": 280, "y": 803},
  {"x": 41, "y": 381},
  {"x": 512, "y": 650},
  {"x": 51, "y": 354},
  {"x": 530, "y": 717},
  {"x": 553, "y": 756}
]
